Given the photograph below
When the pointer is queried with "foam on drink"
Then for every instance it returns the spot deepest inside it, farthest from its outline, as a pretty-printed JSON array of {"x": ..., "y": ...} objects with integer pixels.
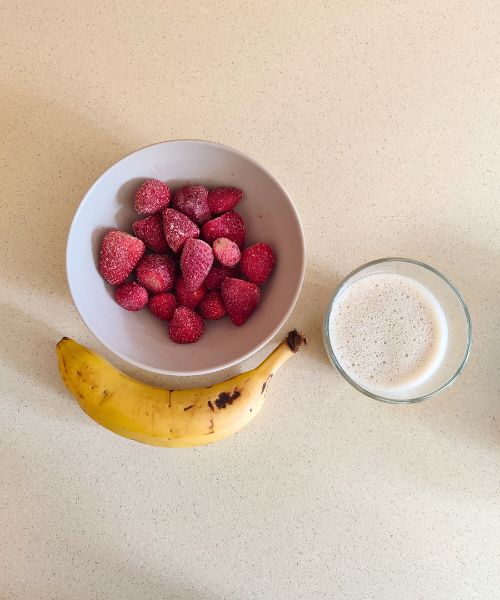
[{"x": 388, "y": 332}]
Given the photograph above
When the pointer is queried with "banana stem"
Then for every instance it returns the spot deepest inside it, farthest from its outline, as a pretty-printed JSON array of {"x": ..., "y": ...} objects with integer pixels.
[{"x": 283, "y": 352}]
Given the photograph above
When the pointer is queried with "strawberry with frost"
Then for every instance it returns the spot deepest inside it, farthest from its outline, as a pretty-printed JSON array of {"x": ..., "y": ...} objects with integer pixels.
[
  {"x": 196, "y": 261},
  {"x": 229, "y": 225},
  {"x": 191, "y": 200},
  {"x": 257, "y": 263},
  {"x": 178, "y": 228},
  {"x": 156, "y": 272},
  {"x": 189, "y": 298},
  {"x": 151, "y": 197},
  {"x": 120, "y": 252},
  {"x": 222, "y": 199},
  {"x": 226, "y": 252},
  {"x": 150, "y": 231},
  {"x": 212, "y": 307},
  {"x": 240, "y": 299},
  {"x": 162, "y": 306},
  {"x": 131, "y": 296},
  {"x": 186, "y": 326}
]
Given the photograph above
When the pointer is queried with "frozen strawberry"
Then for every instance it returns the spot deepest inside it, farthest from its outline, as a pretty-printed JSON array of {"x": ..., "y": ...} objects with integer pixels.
[
  {"x": 196, "y": 261},
  {"x": 120, "y": 252},
  {"x": 186, "y": 326},
  {"x": 217, "y": 275},
  {"x": 162, "y": 306},
  {"x": 131, "y": 296},
  {"x": 223, "y": 199},
  {"x": 226, "y": 252},
  {"x": 178, "y": 228},
  {"x": 240, "y": 298},
  {"x": 257, "y": 263},
  {"x": 229, "y": 225},
  {"x": 150, "y": 231},
  {"x": 192, "y": 201},
  {"x": 151, "y": 197},
  {"x": 156, "y": 272},
  {"x": 191, "y": 299},
  {"x": 212, "y": 307}
]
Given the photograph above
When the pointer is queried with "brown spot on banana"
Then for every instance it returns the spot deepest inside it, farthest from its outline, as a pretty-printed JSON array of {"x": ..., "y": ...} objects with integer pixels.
[
  {"x": 264, "y": 385},
  {"x": 106, "y": 395},
  {"x": 224, "y": 398}
]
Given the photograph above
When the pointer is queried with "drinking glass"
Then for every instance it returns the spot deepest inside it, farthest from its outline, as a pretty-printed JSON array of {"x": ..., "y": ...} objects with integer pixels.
[{"x": 457, "y": 319}]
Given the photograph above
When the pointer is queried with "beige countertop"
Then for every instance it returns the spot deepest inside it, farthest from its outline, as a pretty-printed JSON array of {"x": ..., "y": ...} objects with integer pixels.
[{"x": 382, "y": 120}]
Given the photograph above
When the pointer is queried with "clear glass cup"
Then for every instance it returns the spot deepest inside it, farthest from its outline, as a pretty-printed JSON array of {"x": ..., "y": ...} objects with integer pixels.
[{"x": 458, "y": 323}]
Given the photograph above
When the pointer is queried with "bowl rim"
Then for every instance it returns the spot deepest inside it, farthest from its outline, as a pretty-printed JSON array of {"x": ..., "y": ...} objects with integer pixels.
[
  {"x": 239, "y": 358},
  {"x": 361, "y": 388}
]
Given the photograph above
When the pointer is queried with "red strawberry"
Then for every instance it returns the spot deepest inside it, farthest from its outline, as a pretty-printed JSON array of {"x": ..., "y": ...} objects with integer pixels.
[
  {"x": 150, "y": 231},
  {"x": 186, "y": 326},
  {"x": 131, "y": 296},
  {"x": 212, "y": 307},
  {"x": 196, "y": 261},
  {"x": 162, "y": 306},
  {"x": 223, "y": 199},
  {"x": 152, "y": 196},
  {"x": 120, "y": 252},
  {"x": 217, "y": 275},
  {"x": 229, "y": 225},
  {"x": 186, "y": 297},
  {"x": 257, "y": 263},
  {"x": 240, "y": 298},
  {"x": 156, "y": 272},
  {"x": 226, "y": 252},
  {"x": 192, "y": 201},
  {"x": 178, "y": 228}
]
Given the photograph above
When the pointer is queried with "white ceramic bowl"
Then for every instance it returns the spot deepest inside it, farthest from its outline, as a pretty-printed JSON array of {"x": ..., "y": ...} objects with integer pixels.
[{"x": 138, "y": 337}]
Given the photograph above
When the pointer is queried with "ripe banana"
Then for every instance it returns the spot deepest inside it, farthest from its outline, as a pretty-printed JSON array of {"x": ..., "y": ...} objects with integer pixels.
[{"x": 160, "y": 417}]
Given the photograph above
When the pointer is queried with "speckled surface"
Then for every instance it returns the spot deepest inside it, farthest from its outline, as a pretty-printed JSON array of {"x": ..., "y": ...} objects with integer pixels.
[{"x": 381, "y": 119}]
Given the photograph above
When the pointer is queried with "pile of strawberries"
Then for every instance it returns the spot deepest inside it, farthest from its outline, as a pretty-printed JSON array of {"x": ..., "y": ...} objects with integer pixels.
[{"x": 188, "y": 259}]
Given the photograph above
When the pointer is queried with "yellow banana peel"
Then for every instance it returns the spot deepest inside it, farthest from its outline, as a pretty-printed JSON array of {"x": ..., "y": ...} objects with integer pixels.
[{"x": 161, "y": 417}]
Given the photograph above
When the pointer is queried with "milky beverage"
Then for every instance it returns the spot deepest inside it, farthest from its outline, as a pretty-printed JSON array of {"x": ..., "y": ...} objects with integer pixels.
[{"x": 388, "y": 332}]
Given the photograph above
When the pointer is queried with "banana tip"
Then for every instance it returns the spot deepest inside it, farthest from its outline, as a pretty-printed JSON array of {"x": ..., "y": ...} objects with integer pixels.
[
  {"x": 294, "y": 339},
  {"x": 61, "y": 341}
]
